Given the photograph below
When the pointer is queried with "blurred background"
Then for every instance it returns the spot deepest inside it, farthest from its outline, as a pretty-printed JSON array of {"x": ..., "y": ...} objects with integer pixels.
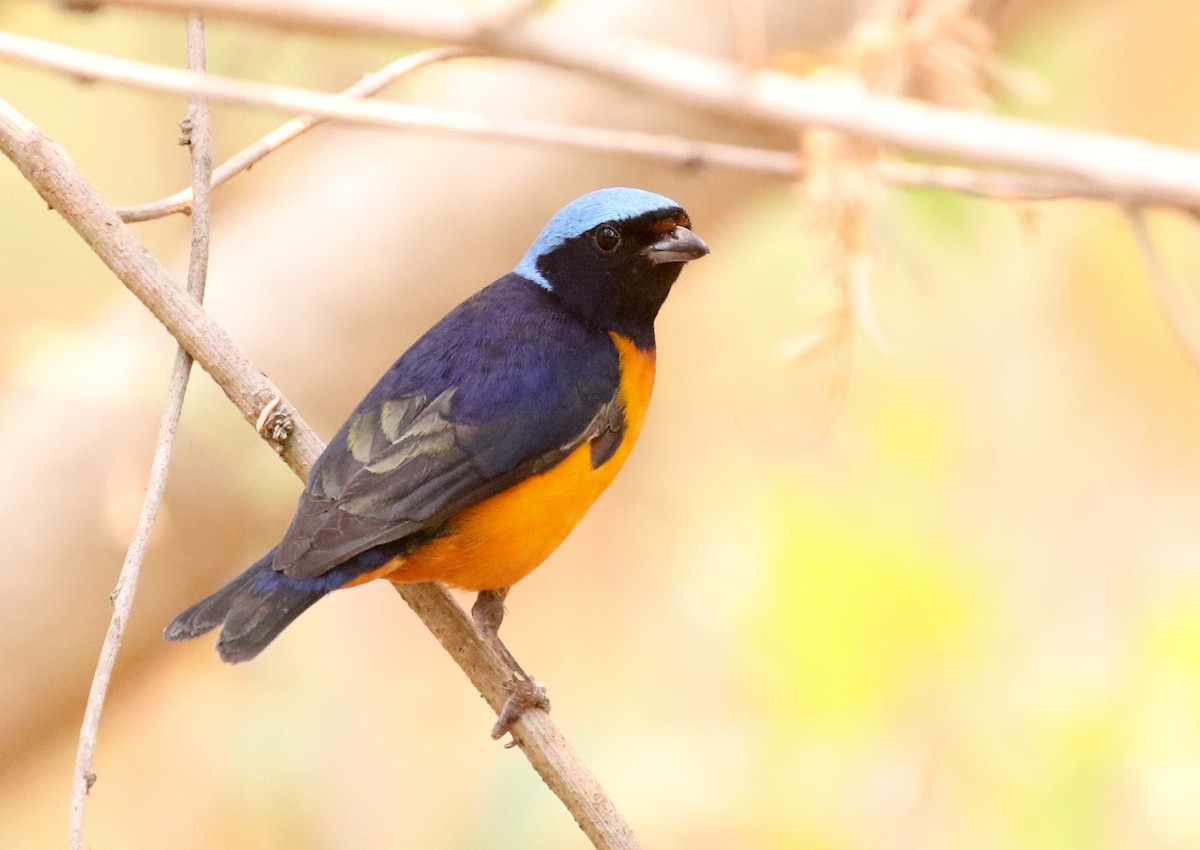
[{"x": 939, "y": 594}]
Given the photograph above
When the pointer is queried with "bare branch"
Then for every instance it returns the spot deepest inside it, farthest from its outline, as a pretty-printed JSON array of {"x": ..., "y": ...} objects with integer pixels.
[
  {"x": 1181, "y": 317},
  {"x": 181, "y": 201},
  {"x": 200, "y": 141},
  {"x": 61, "y": 185},
  {"x": 1127, "y": 169}
]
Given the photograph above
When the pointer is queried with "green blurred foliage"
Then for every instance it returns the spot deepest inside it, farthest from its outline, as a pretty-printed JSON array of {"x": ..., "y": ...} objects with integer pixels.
[{"x": 860, "y": 609}]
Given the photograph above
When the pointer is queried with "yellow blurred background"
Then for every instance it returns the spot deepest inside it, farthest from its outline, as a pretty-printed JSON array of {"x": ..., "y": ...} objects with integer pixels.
[{"x": 945, "y": 595}]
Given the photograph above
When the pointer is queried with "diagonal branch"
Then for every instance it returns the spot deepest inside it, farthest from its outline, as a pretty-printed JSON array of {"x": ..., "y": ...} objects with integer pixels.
[
  {"x": 60, "y": 184},
  {"x": 199, "y": 139}
]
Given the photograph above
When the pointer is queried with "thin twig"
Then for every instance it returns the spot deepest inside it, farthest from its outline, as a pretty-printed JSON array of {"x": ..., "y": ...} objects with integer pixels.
[
  {"x": 1180, "y": 316},
  {"x": 60, "y": 184},
  {"x": 200, "y": 142},
  {"x": 1128, "y": 169},
  {"x": 181, "y": 201}
]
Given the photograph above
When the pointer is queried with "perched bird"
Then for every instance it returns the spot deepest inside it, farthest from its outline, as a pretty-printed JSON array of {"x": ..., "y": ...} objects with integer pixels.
[{"x": 486, "y": 442}]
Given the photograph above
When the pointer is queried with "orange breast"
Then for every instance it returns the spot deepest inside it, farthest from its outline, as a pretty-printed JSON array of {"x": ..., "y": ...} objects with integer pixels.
[{"x": 502, "y": 539}]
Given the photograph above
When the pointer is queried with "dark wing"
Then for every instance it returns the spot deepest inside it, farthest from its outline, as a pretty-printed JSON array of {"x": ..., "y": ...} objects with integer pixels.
[{"x": 466, "y": 413}]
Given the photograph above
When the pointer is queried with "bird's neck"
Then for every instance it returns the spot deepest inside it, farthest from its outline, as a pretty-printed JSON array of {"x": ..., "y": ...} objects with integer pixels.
[{"x": 628, "y": 310}]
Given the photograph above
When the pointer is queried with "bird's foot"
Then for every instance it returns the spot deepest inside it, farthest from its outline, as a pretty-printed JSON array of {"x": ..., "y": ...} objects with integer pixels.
[{"x": 524, "y": 694}]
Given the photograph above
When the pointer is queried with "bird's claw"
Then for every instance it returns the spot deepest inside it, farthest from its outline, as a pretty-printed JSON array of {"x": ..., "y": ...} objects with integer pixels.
[{"x": 524, "y": 694}]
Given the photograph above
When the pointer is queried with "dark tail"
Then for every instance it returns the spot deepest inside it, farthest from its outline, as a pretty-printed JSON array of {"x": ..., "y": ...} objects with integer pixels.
[{"x": 252, "y": 610}]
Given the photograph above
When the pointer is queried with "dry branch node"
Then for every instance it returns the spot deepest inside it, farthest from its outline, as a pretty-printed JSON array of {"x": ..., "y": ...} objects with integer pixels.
[
  {"x": 524, "y": 695},
  {"x": 275, "y": 425}
]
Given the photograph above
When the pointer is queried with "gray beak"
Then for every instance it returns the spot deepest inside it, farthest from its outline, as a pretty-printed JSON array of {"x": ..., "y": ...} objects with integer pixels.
[{"x": 678, "y": 246}]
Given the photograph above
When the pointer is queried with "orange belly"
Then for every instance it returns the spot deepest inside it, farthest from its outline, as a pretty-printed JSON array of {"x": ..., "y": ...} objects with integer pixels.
[{"x": 501, "y": 540}]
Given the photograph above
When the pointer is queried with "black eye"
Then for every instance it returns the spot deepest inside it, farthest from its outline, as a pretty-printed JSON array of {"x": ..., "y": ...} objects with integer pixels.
[{"x": 607, "y": 238}]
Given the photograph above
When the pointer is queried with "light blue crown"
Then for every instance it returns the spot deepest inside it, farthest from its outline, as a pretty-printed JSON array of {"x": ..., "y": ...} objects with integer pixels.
[{"x": 581, "y": 215}]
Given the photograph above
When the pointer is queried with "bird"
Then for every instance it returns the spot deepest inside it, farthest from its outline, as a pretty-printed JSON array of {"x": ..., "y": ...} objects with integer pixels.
[{"x": 485, "y": 443}]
